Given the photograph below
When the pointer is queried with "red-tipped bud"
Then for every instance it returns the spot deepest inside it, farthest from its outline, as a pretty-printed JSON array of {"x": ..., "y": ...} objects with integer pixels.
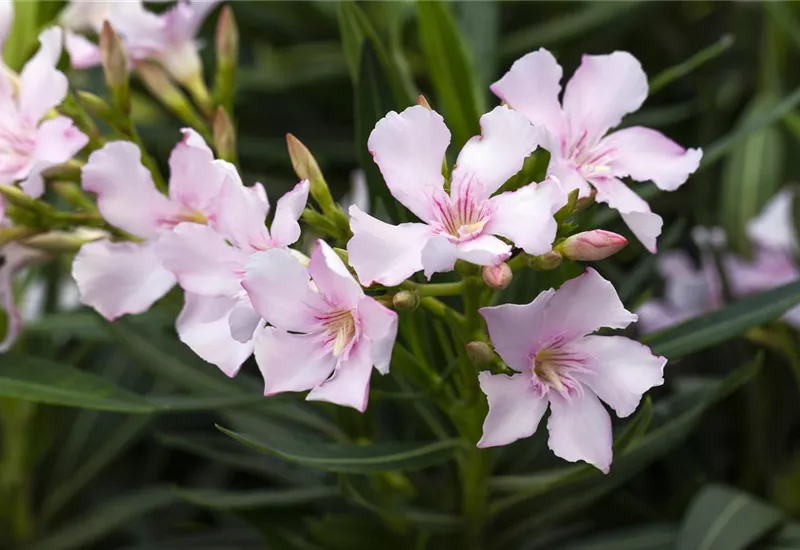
[
  {"x": 423, "y": 102},
  {"x": 497, "y": 276},
  {"x": 227, "y": 37},
  {"x": 591, "y": 246},
  {"x": 224, "y": 135},
  {"x": 112, "y": 55},
  {"x": 406, "y": 300}
]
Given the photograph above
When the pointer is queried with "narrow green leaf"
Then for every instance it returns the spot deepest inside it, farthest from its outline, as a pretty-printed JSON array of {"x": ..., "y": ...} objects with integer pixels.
[
  {"x": 451, "y": 70},
  {"x": 751, "y": 174},
  {"x": 187, "y": 403},
  {"x": 272, "y": 498},
  {"x": 723, "y": 518},
  {"x": 480, "y": 26},
  {"x": 577, "y": 22},
  {"x": 22, "y": 39},
  {"x": 358, "y": 459},
  {"x": 650, "y": 537},
  {"x": 671, "y": 74},
  {"x": 636, "y": 428},
  {"x": 105, "y": 518},
  {"x": 718, "y": 326},
  {"x": 44, "y": 381}
]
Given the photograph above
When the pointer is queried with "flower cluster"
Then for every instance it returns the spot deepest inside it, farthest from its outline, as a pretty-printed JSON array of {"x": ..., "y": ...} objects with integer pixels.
[{"x": 322, "y": 323}]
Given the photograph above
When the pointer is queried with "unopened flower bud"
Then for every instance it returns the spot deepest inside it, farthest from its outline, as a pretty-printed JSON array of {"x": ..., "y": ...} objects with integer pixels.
[
  {"x": 406, "y": 300},
  {"x": 57, "y": 242},
  {"x": 306, "y": 168},
  {"x": 497, "y": 276},
  {"x": 423, "y": 102},
  {"x": 160, "y": 85},
  {"x": 591, "y": 246},
  {"x": 480, "y": 353},
  {"x": 227, "y": 37},
  {"x": 545, "y": 262},
  {"x": 115, "y": 67},
  {"x": 224, "y": 136}
]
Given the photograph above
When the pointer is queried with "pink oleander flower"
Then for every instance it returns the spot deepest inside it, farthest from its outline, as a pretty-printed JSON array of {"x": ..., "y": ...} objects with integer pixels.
[
  {"x": 85, "y": 15},
  {"x": 326, "y": 334},
  {"x": 218, "y": 321},
  {"x": 32, "y": 137},
  {"x": 774, "y": 263},
  {"x": 13, "y": 258},
  {"x": 602, "y": 91},
  {"x": 465, "y": 223},
  {"x": 560, "y": 363},
  {"x": 168, "y": 38},
  {"x": 689, "y": 291},
  {"x": 118, "y": 278}
]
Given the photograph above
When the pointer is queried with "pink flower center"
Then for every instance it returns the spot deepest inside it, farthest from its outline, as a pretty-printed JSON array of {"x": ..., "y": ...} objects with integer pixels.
[
  {"x": 340, "y": 330},
  {"x": 554, "y": 368},
  {"x": 463, "y": 217},
  {"x": 590, "y": 159}
]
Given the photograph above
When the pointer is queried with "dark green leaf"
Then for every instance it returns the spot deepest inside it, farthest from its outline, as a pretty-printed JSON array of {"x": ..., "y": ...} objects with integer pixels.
[
  {"x": 450, "y": 69},
  {"x": 723, "y": 518},
  {"x": 105, "y": 518},
  {"x": 377, "y": 457},
  {"x": 667, "y": 76},
  {"x": 44, "y": 381},
  {"x": 274, "y": 498},
  {"x": 650, "y": 537},
  {"x": 713, "y": 328}
]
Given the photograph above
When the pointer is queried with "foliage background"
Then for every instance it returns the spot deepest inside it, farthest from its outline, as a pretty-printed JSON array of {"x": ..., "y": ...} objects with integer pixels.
[{"x": 713, "y": 463}]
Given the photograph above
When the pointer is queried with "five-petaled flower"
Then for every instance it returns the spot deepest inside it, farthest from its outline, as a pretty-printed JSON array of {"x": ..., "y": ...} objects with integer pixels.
[
  {"x": 602, "y": 91},
  {"x": 549, "y": 342},
  {"x": 125, "y": 277},
  {"x": 32, "y": 137},
  {"x": 326, "y": 334},
  {"x": 465, "y": 223}
]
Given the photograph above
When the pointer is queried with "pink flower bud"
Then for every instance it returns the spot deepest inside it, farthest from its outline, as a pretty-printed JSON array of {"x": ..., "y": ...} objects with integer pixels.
[
  {"x": 497, "y": 276},
  {"x": 480, "y": 353},
  {"x": 592, "y": 245}
]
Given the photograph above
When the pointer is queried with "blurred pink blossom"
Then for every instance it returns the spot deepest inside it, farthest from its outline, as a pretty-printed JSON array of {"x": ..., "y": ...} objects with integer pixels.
[
  {"x": 326, "y": 334},
  {"x": 465, "y": 223},
  {"x": 602, "y": 91},
  {"x": 560, "y": 363},
  {"x": 168, "y": 38}
]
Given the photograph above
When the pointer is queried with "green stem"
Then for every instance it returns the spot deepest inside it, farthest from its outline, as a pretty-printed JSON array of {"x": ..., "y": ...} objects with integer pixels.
[
  {"x": 440, "y": 310},
  {"x": 435, "y": 289},
  {"x": 475, "y": 496},
  {"x": 15, "y": 488}
]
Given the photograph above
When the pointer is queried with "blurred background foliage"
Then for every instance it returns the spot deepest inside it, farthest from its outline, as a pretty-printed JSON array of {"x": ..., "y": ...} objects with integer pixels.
[{"x": 711, "y": 463}]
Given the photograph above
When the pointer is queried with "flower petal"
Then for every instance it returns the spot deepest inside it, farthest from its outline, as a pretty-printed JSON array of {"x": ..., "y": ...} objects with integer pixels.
[
  {"x": 285, "y": 229},
  {"x": 655, "y": 315},
  {"x": 647, "y": 155},
  {"x": 349, "y": 385},
  {"x": 567, "y": 176},
  {"x": 126, "y": 194},
  {"x": 379, "y": 324},
  {"x": 203, "y": 326},
  {"x": 14, "y": 257},
  {"x": 57, "y": 141},
  {"x": 383, "y": 253},
  {"x": 483, "y": 250},
  {"x": 120, "y": 278},
  {"x": 278, "y": 286},
  {"x": 516, "y": 330},
  {"x": 774, "y": 226},
  {"x": 526, "y": 217},
  {"x": 194, "y": 180},
  {"x": 291, "y": 362},
  {"x": 6, "y": 21},
  {"x": 409, "y": 148},
  {"x": 769, "y": 268},
  {"x": 531, "y": 86},
  {"x": 580, "y": 429},
  {"x": 42, "y": 86},
  {"x": 244, "y": 321},
  {"x": 634, "y": 210},
  {"x": 507, "y": 139},
  {"x": 202, "y": 261},
  {"x": 83, "y": 53},
  {"x": 332, "y": 278},
  {"x": 438, "y": 256},
  {"x": 241, "y": 212},
  {"x": 583, "y": 305},
  {"x": 514, "y": 409},
  {"x": 604, "y": 89},
  {"x": 621, "y": 370},
  {"x": 85, "y": 16}
]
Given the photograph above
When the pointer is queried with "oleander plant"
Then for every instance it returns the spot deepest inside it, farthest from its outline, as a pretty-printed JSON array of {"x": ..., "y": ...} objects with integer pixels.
[{"x": 400, "y": 275}]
